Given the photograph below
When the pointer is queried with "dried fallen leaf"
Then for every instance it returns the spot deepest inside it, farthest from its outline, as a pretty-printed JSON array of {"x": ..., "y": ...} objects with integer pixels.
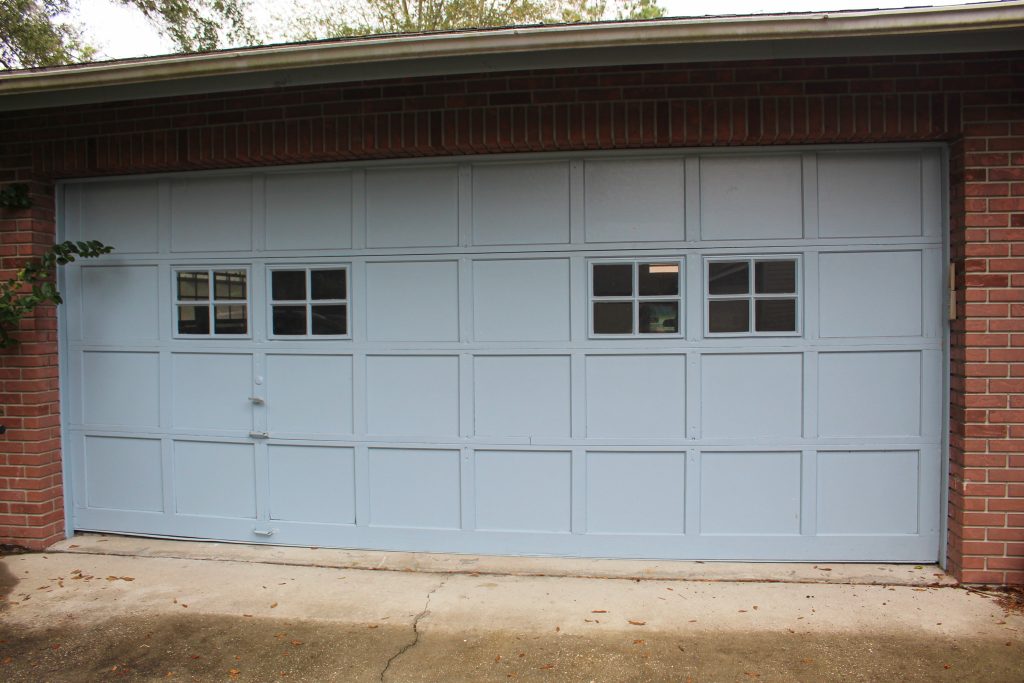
[
  {"x": 497, "y": 658},
  {"x": 112, "y": 578},
  {"x": 599, "y": 611},
  {"x": 546, "y": 666},
  {"x": 806, "y": 661},
  {"x": 373, "y": 626},
  {"x": 296, "y": 643},
  {"x": 127, "y": 578},
  {"x": 742, "y": 610},
  {"x": 637, "y": 622},
  {"x": 273, "y": 605},
  {"x": 752, "y": 674},
  {"x": 638, "y": 642},
  {"x": 947, "y": 666},
  {"x": 233, "y": 672}
]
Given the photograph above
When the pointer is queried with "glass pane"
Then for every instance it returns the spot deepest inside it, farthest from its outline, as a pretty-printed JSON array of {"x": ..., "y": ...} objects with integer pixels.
[
  {"x": 230, "y": 319},
  {"x": 775, "y": 315},
  {"x": 728, "y": 277},
  {"x": 193, "y": 320},
  {"x": 659, "y": 317},
  {"x": 327, "y": 284},
  {"x": 729, "y": 316},
  {"x": 229, "y": 284},
  {"x": 775, "y": 277},
  {"x": 329, "y": 320},
  {"x": 289, "y": 320},
  {"x": 659, "y": 279},
  {"x": 288, "y": 285},
  {"x": 613, "y": 317},
  {"x": 193, "y": 285},
  {"x": 613, "y": 279}
]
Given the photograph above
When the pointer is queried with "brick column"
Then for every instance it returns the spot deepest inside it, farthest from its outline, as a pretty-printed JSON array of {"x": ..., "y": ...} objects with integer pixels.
[
  {"x": 31, "y": 485},
  {"x": 986, "y": 540}
]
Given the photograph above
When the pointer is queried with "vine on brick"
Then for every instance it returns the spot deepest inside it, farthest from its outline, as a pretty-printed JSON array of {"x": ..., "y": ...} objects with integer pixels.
[
  {"x": 32, "y": 285},
  {"x": 15, "y": 196}
]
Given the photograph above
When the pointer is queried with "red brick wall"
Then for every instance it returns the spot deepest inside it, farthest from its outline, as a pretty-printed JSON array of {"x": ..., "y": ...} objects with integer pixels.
[
  {"x": 31, "y": 487},
  {"x": 973, "y": 102}
]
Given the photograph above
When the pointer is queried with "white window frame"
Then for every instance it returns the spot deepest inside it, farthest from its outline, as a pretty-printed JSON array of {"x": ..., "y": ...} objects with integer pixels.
[
  {"x": 211, "y": 301},
  {"x": 309, "y": 302},
  {"x": 751, "y": 297},
  {"x": 636, "y": 299}
]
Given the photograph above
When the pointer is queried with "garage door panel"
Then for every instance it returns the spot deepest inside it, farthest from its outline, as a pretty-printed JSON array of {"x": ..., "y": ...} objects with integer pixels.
[
  {"x": 522, "y": 396},
  {"x": 309, "y": 211},
  {"x": 412, "y": 301},
  {"x": 521, "y": 203},
  {"x": 869, "y": 394},
  {"x": 417, "y": 207},
  {"x": 125, "y": 215},
  {"x": 869, "y": 194},
  {"x": 871, "y": 294},
  {"x": 211, "y": 214},
  {"x": 117, "y": 303},
  {"x": 751, "y": 395},
  {"x": 750, "y": 493},
  {"x": 634, "y": 201},
  {"x": 868, "y": 492},
  {"x": 121, "y": 389},
  {"x": 215, "y": 478},
  {"x": 636, "y": 492},
  {"x": 636, "y": 396},
  {"x": 744, "y": 198},
  {"x": 309, "y": 394},
  {"x": 412, "y": 395},
  {"x": 415, "y": 488},
  {"x": 521, "y": 300},
  {"x": 212, "y": 390},
  {"x": 523, "y": 490},
  {"x": 123, "y": 474},
  {"x": 312, "y": 484}
]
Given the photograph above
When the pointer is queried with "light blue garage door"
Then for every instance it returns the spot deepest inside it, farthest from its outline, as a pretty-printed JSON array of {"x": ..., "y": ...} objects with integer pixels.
[{"x": 715, "y": 356}]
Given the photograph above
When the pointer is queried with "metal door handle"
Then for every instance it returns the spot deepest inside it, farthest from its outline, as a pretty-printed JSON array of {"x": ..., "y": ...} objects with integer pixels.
[
  {"x": 257, "y": 400},
  {"x": 259, "y": 435}
]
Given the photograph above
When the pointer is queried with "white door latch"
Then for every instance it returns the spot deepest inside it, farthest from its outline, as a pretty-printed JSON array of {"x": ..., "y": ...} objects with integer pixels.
[
  {"x": 257, "y": 400},
  {"x": 259, "y": 435},
  {"x": 264, "y": 532}
]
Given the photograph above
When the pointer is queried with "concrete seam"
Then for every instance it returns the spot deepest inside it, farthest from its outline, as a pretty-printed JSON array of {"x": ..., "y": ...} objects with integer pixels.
[{"x": 415, "y": 629}]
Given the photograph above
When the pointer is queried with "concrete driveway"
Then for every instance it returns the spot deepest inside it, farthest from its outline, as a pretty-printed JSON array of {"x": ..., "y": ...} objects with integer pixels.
[{"x": 110, "y": 608}]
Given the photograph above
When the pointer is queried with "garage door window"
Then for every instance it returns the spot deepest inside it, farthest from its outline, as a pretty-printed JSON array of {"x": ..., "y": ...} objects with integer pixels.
[
  {"x": 752, "y": 296},
  {"x": 637, "y": 298},
  {"x": 309, "y": 302},
  {"x": 211, "y": 302}
]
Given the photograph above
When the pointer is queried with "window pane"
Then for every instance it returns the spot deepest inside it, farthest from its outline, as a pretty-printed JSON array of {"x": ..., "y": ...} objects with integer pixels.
[
  {"x": 775, "y": 277},
  {"x": 729, "y": 316},
  {"x": 289, "y": 320},
  {"x": 728, "y": 277},
  {"x": 329, "y": 320},
  {"x": 229, "y": 284},
  {"x": 193, "y": 320},
  {"x": 230, "y": 319},
  {"x": 193, "y": 286},
  {"x": 659, "y": 317},
  {"x": 659, "y": 279},
  {"x": 327, "y": 284},
  {"x": 613, "y": 279},
  {"x": 775, "y": 315},
  {"x": 613, "y": 317},
  {"x": 288, "y": 285}
]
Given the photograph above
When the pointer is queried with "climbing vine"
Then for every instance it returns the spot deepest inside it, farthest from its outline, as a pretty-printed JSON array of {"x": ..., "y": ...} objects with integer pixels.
[{"x": 33, "y": 285}]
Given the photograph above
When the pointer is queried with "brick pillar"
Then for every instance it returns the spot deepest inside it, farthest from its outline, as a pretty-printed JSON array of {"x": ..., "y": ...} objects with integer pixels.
[
  {"x": 31, "y": 485},
  {"x": 986, "y": 540}
]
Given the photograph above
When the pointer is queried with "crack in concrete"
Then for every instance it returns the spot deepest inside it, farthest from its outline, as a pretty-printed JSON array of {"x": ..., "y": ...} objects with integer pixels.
[{"x": 415, "y": 629}]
